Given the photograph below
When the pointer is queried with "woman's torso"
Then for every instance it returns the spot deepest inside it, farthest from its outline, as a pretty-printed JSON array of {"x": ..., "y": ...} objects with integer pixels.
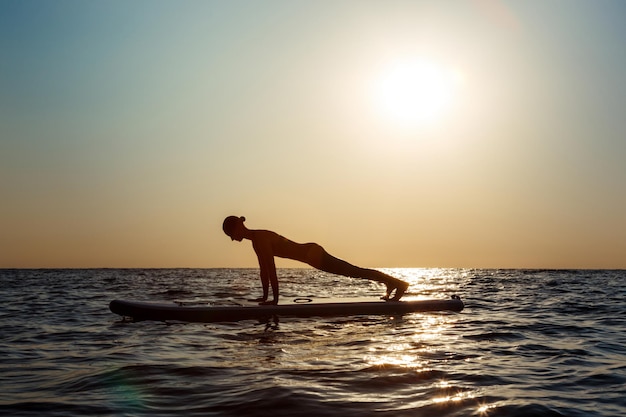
[{"x": 285, "y": 248}]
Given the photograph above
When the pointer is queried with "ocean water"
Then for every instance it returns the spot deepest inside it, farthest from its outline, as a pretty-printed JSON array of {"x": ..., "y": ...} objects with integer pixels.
[{"x": 529, "y": 343}]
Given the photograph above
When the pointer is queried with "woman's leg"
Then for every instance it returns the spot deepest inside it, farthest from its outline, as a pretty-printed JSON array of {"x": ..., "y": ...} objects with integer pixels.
[{"x": 329, "y": 263}]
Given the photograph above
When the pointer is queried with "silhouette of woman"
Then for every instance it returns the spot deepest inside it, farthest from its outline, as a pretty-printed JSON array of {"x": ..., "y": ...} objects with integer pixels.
[{"x": 268, "y": 244}]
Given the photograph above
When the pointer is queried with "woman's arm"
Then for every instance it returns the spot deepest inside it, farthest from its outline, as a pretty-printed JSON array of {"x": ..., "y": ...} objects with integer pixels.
[
  {"x": 268, "y": 272},
  {"x": 263, "y": 248},
  {"x": 265, "y": 283}
]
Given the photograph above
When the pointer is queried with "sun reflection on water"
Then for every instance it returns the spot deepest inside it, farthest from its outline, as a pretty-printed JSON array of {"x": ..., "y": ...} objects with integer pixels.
[
  {"x": 483, "y": 409},
  {"x": 419, "y": 345},
  {"x": 455, "y": 394},
  {"x": 409, "y": 353},
  {"x": 429, "y": 282}
]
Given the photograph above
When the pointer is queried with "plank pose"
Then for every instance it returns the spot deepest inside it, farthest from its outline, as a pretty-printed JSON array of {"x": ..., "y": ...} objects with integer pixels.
[{"x": 268, "y": 244}]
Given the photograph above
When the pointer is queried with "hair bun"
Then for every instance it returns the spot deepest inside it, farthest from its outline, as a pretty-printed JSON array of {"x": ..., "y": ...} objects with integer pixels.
[{"x": 243, "y": 219}]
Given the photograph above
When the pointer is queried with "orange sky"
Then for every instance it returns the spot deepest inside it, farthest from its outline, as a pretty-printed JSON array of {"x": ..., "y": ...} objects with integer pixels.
[{"x": 395, "y": 134}]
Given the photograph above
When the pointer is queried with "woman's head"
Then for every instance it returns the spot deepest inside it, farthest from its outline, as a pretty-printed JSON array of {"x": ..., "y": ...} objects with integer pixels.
[{"x": 233, "y": 227}]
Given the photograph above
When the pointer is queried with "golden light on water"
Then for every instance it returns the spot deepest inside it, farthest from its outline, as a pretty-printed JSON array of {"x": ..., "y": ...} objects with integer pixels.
[
  {"x": 395, "y": 355},
  {"x": 483, "y": 409},
  {"x": 412, "y": 354},
  {"x": 454, "y": 398},
  {"x": 457, "y": 396},
  {"x": 426, "y": 343}
]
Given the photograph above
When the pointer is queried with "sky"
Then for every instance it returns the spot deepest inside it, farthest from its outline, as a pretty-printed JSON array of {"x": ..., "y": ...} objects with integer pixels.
[{"x": 475, "y": 134}]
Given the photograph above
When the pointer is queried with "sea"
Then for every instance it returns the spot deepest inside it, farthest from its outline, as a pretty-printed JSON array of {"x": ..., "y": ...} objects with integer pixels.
[{"x": 528, "y": 343}]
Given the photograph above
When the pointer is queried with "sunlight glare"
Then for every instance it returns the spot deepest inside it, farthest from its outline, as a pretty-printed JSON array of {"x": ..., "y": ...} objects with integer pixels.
[
  {"x": 417, "y": 92},
  {"x": 483, "y": 409}
]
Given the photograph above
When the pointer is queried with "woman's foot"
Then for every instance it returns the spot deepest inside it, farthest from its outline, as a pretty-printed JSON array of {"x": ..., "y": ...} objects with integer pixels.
[
  {"x": 399, "y": 286},
  {"x": 400, "y": 290}
]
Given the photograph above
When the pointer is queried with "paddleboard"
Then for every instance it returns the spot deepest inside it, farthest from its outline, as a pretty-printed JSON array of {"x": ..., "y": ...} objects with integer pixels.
[{"x": 298, "y": 307}]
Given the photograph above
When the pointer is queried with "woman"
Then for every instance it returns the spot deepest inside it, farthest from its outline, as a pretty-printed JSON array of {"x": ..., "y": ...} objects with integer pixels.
[{"x": 268, "y": 244}]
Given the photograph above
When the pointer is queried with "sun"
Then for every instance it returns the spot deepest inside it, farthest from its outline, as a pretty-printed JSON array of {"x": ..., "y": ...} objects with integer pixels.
[{"x": 416, "y": 92}]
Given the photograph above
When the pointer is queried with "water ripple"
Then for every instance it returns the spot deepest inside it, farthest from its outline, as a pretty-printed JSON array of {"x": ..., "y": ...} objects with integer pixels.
[{"x": 530, "y": 342}]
